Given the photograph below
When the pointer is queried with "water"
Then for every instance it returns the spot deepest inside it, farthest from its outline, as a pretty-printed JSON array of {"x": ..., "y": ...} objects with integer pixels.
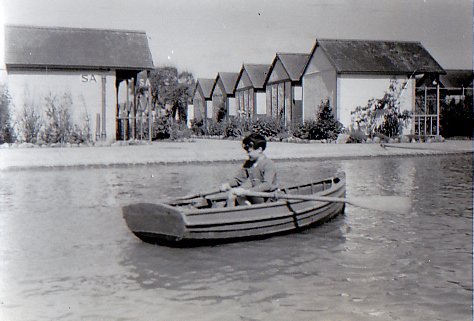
[{"x": 66, "y": 254}]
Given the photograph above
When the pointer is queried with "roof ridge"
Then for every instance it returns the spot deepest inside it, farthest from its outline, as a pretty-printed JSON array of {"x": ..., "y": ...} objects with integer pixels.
[
  {"x": 367, "y": 40},
  {"x": 293, "y": 53},
  {"x": 266, "y": 65},
  {"x": 71, "y": 28}
]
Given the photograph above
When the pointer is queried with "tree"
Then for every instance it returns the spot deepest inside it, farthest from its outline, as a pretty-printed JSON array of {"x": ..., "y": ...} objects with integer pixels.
[
  {"x": 383, "y": 115},
  {"x": 171, "y": 91},
  {"x": 328, "y": 126}
]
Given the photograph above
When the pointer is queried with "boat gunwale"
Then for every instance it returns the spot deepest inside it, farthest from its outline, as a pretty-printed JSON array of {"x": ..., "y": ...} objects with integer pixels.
[
  {"x": 320, "y": 206},
  {"x": 201, "y": 211}
]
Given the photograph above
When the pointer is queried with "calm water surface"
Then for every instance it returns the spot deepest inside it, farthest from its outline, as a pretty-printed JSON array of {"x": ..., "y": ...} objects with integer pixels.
[{"x": 66, "y": 254}]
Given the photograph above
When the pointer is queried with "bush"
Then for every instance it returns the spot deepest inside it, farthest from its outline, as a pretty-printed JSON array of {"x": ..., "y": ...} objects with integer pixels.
[
  {"x": 179, "y": 130},
  {"x": 324, "y": 127},
  {"x": 197, "y": 127},
  {"x": 161, "y": 128},
  {"x": 29, "y": 123},
  {"x": 382, "y": 115},
  {"x": 356, "y": 135},
  {"x": 236, "y": 127},
  {"x": 59, "y": 127},
  {"x": 165, "y": 127},
  {"x": 214, "y": 128},
  {"x": 6, "y": 129},
  {"x": 308, "y": 130},
  {"x": 268, "y": 127},
  {"x": 456, "y": 119}
]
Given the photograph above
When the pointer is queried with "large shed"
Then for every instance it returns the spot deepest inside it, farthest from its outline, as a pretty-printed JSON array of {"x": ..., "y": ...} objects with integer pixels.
[
  {"x": 223, "y": 96},
  {"x": 202, "y": 98},
  {"x": 250, "y": 90},
  {"x": 284, "y": 87},
  {"x": 349, "y": 73},
  {"x": 86, "y": 65}
]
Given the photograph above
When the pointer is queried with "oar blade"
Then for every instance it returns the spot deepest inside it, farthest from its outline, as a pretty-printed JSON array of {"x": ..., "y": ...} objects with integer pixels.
[{"x": 394, "y": 204}]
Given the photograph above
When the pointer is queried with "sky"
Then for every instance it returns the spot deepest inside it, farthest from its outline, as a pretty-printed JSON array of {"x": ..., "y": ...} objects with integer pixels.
[{"x": 205, "y": 37}]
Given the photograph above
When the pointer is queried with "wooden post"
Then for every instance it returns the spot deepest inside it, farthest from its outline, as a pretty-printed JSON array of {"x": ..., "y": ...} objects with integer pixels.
[
  {"x": 104, "y": 124},
  {"x": 126, "y": 111},
  {"x": 117, "y": 111},
  {"x": 132, "y": 108},
  {"x": 437, "y": 108},
  {"x": 97, "y": 127},
  {"x": 148, "y": 101},
  {"x": 414, "y": 105}
]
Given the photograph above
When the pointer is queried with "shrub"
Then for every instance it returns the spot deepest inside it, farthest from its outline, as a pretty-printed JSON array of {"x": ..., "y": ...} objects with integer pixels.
[
  {"x": 235, "y": 127},
  {"x": 29, "y": 123},
  {"x": 6, "y": 129},
  {"x": 214, "y": 128},
  {"x": 268, "y": 126},
  {"x": 308, "y": 130},
  {"x": 324, "y": 127},
  {"x": 197, "y": 127},
  {"x": 161, "y": 128},
  {"x": 59, "y": 126},
  {"x": 456, "y": 118},
  {"x": 165, "y": 127},
  {"x": 356, "y": 135},
  {"x": 179, "y": 130},
  {"x": 382, "y": 115}
]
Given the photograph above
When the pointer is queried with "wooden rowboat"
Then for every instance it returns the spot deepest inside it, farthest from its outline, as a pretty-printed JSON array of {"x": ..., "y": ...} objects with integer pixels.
[{"x": 205, "y": 220}]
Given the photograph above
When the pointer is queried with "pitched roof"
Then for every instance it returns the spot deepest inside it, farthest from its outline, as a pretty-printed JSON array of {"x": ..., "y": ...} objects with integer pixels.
[
  {"x": 57, "y": 47},
  {"x": 378, "y": 56},
  {"x": 457, "y": 78},
  {"x": 294, "y": 63},
  {"x": 229, "y": 80},
  {"x": 257, "y": 74},
  {"x": 206, "y": 86}
]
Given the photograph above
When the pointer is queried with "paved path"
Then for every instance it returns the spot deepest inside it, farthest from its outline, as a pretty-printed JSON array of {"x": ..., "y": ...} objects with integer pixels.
[{"x": 208, "y": 150}]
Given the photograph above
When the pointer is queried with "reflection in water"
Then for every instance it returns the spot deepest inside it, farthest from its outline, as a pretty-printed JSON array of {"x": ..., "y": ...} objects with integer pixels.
[
  {"x": 178, "y": 268},
  {"x": 66, "y": 254}
]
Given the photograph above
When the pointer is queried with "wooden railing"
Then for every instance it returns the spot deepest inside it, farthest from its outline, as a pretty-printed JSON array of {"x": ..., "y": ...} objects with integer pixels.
[{"x": 426, "y": 125}]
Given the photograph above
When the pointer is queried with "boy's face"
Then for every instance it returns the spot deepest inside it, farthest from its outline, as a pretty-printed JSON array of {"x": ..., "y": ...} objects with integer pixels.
[{"x": 253, "y": 153}]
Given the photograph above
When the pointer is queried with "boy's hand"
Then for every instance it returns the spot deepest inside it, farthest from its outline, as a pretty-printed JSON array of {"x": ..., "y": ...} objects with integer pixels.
[
  {"x": 239, "y": 191},
  {"x": 225, "y": 187}
]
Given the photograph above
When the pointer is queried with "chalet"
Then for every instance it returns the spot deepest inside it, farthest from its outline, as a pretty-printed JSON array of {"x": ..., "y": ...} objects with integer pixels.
[
  {"x": 250, "y": 90},
  {"x": 202, "y": 98},
  {"x": 223, "y": 96},
  {"x": 88, "y": 65},
  {"x": 349, "y": 73},
  {"x": 284, "y": 87}
]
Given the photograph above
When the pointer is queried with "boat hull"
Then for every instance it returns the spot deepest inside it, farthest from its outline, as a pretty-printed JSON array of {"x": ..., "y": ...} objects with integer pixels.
[{"x": 171, "y": 224}]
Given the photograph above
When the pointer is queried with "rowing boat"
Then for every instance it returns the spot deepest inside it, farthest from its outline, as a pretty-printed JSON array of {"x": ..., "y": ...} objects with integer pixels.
[{"x": 206, "y": 220}]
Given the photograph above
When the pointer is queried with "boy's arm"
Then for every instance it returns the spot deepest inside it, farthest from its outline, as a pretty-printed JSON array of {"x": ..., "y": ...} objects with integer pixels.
[
  {"x": 239, "y": 178},
  {"x": 269, "y": 175}
]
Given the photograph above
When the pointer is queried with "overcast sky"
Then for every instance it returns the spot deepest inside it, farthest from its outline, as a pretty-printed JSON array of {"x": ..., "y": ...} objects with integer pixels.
[{"x": 209, "y": 36}]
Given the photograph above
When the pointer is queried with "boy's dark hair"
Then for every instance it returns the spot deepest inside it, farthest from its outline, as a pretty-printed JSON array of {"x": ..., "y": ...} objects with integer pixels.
[{"x": 254, "y": 140}]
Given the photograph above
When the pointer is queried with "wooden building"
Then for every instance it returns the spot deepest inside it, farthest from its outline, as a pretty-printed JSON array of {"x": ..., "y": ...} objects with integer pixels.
[
  {"x": 284, "y": 87},
  {"x": 202, "y": 98},
  {"x": 88, "y": 65},
  {"x": 351, "y": 72},
  {"x": 250, "y": 90},
  {"x": 223, "y": 96}
]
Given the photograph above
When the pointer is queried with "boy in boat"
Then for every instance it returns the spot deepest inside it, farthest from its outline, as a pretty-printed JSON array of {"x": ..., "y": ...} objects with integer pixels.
[{"x": 258, "y": 173}]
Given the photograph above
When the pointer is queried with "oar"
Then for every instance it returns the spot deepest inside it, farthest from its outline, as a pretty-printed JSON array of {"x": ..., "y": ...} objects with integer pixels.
[
  {"x": 202, "y": 194},
  {"x": 395, "y": 204}
]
